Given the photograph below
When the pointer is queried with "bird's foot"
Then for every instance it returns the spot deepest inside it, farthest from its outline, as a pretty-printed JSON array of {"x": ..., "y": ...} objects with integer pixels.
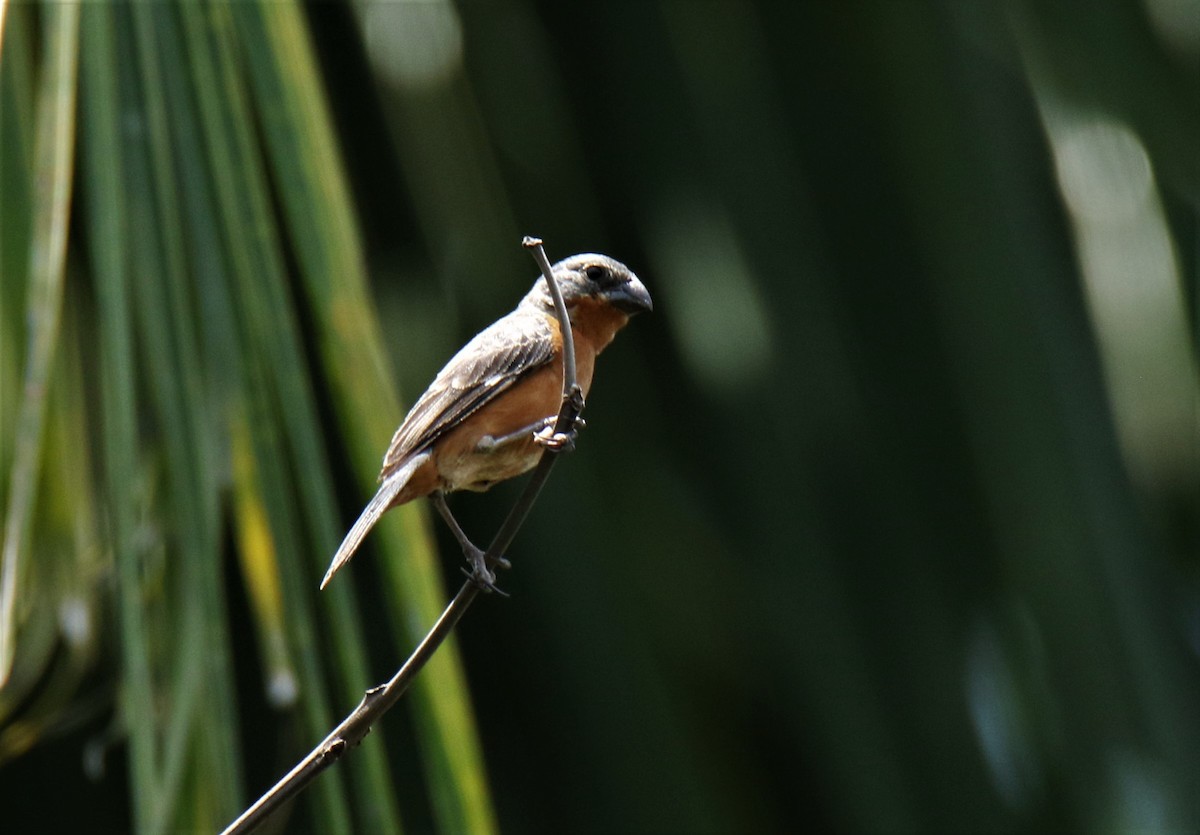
[
  {"x": 479, "y": 573},
  {"x": 559, "y": 441}
]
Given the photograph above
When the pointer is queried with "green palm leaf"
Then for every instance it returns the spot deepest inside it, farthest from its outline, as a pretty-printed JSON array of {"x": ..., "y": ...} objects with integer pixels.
[{"x": 208, "y": 164}]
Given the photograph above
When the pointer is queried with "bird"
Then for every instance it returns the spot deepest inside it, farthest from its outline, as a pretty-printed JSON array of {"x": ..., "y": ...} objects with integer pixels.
[{"x": 488, "y": 414}]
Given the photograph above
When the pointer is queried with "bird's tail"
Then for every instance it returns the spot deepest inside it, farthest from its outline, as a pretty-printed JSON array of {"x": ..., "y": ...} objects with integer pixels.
[{"x": 383, "y": 499}]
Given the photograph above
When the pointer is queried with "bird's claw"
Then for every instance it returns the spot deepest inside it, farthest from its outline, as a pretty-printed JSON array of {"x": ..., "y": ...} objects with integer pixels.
[
  {"x": 485, "y": 580},
  {"x": 559, "y": 441},
  {"x": 555, "y": 441},
  {"x": 482, "y": 576}
]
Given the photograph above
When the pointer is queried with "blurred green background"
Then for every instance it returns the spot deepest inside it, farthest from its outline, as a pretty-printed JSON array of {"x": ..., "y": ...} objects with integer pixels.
[{"x": 887, "y": 519}]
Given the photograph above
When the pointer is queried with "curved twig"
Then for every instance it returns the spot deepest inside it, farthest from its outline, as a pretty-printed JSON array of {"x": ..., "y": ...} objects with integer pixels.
[{"x": 560, "y": 309}]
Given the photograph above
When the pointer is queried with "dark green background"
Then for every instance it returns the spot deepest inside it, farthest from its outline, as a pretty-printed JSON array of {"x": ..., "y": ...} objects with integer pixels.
[{"x": 850, "y": 542}]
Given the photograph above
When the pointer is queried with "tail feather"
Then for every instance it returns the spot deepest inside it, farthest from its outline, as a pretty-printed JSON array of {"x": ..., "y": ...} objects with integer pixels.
[{"x": 375, "y": 508}]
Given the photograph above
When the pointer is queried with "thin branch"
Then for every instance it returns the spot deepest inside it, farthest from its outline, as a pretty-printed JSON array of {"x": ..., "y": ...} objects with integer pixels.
[
  {"x": 378, "y": 700},
  {"x": 560, "y": 309}
]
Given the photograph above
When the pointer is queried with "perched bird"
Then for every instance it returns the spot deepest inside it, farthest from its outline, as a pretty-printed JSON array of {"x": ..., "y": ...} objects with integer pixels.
[{"x": 482, "y": 418}]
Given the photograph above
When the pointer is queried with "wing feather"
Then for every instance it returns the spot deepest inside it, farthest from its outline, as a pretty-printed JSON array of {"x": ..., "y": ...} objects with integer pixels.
[{"x": 486, "y": 366}]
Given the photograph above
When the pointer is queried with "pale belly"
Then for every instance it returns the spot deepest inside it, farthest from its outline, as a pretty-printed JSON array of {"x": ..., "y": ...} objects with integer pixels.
[{"x": 480, "y": 470}]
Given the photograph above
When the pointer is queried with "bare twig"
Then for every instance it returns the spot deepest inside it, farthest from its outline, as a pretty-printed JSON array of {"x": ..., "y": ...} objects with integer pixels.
[
  {"x": 560, "y": 308},
  {"x": 378, "y": 700}
]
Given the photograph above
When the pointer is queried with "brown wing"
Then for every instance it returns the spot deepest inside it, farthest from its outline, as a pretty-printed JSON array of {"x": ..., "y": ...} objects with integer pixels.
[{"x": 486, "y": 366}]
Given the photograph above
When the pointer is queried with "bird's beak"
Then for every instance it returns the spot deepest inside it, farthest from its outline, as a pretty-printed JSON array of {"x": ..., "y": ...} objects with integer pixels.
[{"x": 630, "y": 297}]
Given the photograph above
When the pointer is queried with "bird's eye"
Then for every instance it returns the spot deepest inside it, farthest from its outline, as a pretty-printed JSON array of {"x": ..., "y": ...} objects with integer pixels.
[{"x": 595, "y": 273}]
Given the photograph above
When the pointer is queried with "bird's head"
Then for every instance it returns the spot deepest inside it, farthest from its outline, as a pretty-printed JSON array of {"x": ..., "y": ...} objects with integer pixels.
[{"x": 592, "y": 276}]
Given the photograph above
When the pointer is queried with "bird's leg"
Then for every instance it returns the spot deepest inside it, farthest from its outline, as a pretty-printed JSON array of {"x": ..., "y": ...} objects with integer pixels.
[
  {"x": 475, "y": 555},
  {"x": 542, "y": 432},
  {"x": 491, "y": 442}
]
